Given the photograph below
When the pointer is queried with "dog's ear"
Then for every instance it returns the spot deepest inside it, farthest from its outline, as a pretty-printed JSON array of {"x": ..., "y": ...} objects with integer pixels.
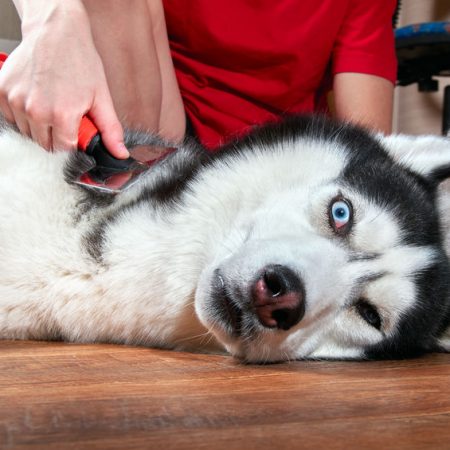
[{"x": 428, "y": 156}]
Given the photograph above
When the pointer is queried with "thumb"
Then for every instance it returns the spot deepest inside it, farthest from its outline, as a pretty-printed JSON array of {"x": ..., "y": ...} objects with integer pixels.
[{"x": 105, "y": 118}]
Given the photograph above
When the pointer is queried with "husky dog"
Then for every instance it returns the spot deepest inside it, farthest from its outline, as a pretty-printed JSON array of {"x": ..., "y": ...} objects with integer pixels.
[{"x": 305, "y": 239}]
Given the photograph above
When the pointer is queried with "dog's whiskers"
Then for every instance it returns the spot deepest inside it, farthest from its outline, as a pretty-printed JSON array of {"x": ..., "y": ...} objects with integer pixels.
[{"x": 205, "y": 334}]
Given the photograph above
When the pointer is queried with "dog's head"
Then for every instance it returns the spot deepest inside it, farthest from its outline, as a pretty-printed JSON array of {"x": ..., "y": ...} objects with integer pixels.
[{"x": 335, "y": 250}]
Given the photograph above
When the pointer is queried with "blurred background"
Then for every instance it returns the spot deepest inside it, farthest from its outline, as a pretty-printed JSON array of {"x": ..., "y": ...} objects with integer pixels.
[
  {"x": 9, "y": 26},
  {"x": 420, "y": 112}
]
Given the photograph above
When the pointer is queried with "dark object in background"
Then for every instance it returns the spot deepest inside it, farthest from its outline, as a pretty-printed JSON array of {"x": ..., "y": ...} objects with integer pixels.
[{"x": 423, "y": 52}]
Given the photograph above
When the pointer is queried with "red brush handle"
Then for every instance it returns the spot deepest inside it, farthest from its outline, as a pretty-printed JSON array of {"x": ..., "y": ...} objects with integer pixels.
[
  {"x": 87, "y": 130},
  {"x": 86, "y": 133},
  {"x": 3, "y": 57}
]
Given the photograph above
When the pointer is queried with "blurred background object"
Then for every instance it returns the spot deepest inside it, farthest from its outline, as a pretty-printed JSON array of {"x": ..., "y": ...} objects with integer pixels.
[
  {"x": 9, "y": 26},
  {"x": 421, "y": 112}
]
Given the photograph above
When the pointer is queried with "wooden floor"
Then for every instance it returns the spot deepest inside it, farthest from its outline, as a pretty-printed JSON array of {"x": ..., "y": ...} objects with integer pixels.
[{"x": 58, "y": 396}]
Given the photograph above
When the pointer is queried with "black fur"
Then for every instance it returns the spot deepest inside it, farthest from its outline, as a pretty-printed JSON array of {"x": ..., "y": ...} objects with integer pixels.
[
  {"x": 180, "y": 169},
  {"x": 167, "y": 180},
  {"x": 427, "y": 319}
]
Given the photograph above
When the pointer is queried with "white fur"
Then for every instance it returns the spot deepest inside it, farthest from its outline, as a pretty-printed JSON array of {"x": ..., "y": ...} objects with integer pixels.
[
  {"x": 422, "y": 154},
  {"x": 153, "y": 284}
]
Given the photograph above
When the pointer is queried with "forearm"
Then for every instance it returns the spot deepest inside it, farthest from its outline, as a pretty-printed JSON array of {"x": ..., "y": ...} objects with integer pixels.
[
  {"x": 143, "y": 85},
  {"x": 122, "y": 32},
  {"x": 364, "y": 99}
]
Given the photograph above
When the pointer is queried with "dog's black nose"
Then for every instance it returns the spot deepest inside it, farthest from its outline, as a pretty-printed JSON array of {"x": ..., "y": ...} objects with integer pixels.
[{"x": 278, "y": 297}]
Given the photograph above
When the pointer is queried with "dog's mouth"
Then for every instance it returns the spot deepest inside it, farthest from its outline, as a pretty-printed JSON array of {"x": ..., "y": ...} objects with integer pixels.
[{"x": 227, "y": 309}]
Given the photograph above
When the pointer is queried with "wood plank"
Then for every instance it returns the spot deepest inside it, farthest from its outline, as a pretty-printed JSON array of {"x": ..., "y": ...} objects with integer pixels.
[{"x": 57, "y": 396}]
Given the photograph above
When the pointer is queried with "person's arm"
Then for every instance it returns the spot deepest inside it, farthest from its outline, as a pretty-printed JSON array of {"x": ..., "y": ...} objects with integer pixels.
[
  {"x": 55, "y": 76},
  {"x": 364, "y": 64},
  {"x": 364, "y": 99}
]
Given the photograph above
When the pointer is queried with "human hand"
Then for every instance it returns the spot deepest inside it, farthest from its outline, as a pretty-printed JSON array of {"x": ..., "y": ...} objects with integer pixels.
[{"x": 55, "y": 76}]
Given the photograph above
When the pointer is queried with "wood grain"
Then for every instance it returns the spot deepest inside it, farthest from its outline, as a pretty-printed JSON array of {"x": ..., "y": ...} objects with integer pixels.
[{"x": 66, "y": 396}]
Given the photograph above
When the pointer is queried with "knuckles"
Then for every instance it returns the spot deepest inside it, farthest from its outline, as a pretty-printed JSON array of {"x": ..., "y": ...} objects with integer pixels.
[
  {"x": 16, "y": 100},
  {"x": 37, "y": 112}
]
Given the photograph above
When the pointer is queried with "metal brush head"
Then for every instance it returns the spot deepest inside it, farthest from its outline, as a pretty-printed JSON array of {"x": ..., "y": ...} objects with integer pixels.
[
  {"x": 108, "y": 180},
  {"x": 112, "y": 175}
]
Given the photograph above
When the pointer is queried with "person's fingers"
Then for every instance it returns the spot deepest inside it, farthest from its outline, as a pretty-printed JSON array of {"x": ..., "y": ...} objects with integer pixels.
[
  {"x": 64, "y": 131},
  {"x": 105, "y": 119},
  {"x": 21, "y": 122},
  {"x": 5, "y": 110},
  {"x": 16, "y": 102},
  {"x": 41, "y": 133},
  {"x": 38, "y": 118}
]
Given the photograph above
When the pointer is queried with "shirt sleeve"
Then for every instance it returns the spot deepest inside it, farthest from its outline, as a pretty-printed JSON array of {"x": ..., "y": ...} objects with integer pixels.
[{"x": 365, "y": 42}]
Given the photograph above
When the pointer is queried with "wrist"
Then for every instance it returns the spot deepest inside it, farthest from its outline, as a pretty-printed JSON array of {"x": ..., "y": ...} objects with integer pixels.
[{"x": 35, "y": 13}]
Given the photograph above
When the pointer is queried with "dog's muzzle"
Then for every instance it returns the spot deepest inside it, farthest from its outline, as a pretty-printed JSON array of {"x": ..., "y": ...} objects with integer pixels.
[{"x": 276, "y": 299}]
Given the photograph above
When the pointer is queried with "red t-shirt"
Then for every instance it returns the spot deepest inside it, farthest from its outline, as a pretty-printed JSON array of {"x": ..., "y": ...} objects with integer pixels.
[{"x": 244, "y": 62}]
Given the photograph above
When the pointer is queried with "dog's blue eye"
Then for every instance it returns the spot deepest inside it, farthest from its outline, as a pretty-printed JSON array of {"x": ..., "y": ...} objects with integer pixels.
[{"x": 340, "y": 215}]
